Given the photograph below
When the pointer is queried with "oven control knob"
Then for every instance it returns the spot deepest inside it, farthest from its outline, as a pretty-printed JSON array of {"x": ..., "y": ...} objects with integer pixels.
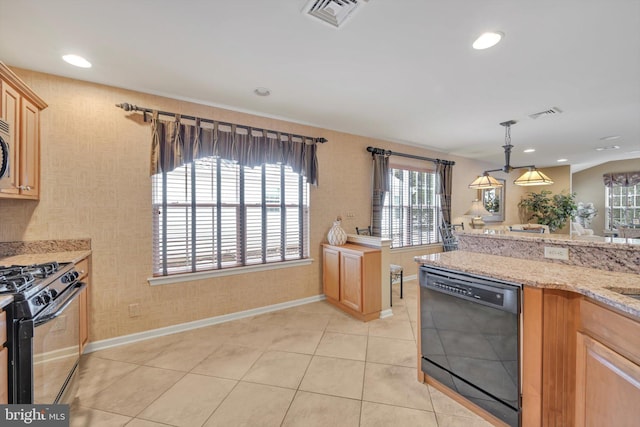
[
  {"x": 53, "y": 293},
  {"x": 46, "y": 296},
  {"x": 70, "y": 277},
  {"x": 39, "y": 300}
]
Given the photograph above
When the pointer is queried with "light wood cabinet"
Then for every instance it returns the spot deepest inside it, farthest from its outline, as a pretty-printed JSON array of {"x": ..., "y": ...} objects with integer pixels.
[
  {"x": 4, "y": 360},
  {"x": 20, "y": 107},
  {"x": 607, "y": 368},
  {"x": 581, "y": 362},
  {"x": 351, "y": 279},
  {"x": 83, "y": 267}
]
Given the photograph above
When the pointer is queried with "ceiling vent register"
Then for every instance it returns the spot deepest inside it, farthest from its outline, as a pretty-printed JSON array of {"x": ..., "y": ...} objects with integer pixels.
[
  {"x": 333, "y": 12},
  {"x": 551, "y": 111}
]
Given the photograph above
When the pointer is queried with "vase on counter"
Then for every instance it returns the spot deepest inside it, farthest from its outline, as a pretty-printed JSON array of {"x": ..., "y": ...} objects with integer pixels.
[{"x": 337, "y": 235}]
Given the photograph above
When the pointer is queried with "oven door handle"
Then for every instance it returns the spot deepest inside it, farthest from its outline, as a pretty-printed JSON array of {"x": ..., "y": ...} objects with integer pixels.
[{"x": 78, "y": 288}]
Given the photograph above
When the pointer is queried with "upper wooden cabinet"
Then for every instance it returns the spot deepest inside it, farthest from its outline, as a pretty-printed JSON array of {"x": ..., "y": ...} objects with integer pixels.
[{"x": 20, "y": 107}]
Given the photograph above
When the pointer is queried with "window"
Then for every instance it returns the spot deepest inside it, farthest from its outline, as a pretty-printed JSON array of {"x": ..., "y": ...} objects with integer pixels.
[
  {"x": 623, "y": 205},
  {"x": 213, "y": 214},
  {"x": 411, "y": 213}
]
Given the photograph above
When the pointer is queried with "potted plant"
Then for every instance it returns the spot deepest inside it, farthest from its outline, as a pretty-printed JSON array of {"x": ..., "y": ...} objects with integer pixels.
[{"x": 553, "y": 211}]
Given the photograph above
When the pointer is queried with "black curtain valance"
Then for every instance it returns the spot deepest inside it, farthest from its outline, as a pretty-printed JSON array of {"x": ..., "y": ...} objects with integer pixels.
[
  {"x": 622, "y": 179},
  {"x": 185, "y": 139}
]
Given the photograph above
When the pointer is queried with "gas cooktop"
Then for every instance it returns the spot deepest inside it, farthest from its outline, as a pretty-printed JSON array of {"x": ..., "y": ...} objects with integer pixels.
[{"x": 20, "y": 278}]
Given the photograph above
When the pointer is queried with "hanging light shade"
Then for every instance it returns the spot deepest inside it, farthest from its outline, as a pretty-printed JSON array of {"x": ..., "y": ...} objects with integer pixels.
[
  {"x": 484, "y": 182},
  {"x": 533, "y": 177}
]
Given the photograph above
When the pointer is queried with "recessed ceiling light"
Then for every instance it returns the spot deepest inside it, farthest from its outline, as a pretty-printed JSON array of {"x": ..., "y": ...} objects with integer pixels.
[
  {"x": 562, "y": 160},
  {"x": 610, "y": 147},
  {"x": 529, "y": 150},
  {"x": 76, "y": 60},
  {"x": 262, "y": 91},
  {"x": 487, "y": 40},
  {"x": 610, "y": 138}
]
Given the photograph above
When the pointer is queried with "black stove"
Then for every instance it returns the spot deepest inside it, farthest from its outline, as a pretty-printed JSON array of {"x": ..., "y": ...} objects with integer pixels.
[{"x": 42, "y": 330}]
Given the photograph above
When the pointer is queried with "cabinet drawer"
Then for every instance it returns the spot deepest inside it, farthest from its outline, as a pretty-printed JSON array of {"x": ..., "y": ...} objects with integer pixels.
[
  {"x": 3, "y": 327},
  {"x": 616, "y": 331},
  {"x": 83, "y": 268}
]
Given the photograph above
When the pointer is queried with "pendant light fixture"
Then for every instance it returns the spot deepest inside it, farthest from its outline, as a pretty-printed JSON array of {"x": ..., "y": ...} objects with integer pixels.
[{"x": 532, "y": 177}]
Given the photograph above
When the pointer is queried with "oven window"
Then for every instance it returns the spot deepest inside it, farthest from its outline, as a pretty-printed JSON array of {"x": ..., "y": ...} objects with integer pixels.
[{"x": 56, "y": 349}]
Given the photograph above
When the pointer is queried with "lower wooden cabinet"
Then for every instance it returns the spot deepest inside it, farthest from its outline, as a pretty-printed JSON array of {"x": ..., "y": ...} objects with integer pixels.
[
  {"x": 607, "y": 368},
  {"x": 351, "y": 279},
  {"x": 607, "y": 386},
  {"x": 581, "y": 362}
]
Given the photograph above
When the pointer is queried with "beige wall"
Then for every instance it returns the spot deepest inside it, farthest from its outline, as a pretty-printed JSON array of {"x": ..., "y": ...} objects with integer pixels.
[
  {"x": 95, "y": 183},
  {"x": 589, "y": 187}
]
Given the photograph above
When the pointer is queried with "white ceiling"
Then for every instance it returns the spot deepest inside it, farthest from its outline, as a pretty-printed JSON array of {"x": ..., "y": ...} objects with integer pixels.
[{"x": 399, "y": 70}]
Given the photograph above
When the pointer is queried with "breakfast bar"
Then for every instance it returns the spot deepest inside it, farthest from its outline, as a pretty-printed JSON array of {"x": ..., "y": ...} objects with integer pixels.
[{"x": 579, "y": 325}]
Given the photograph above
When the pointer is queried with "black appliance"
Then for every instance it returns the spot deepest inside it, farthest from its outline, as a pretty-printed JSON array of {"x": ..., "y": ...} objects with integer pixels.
[
  {"x": 43, "y": 331},
  {"x": 470, "y": 338}
]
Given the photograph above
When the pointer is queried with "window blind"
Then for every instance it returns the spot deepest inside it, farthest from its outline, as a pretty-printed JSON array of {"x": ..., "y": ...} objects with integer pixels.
[
  {"x": 213, "y": 214},
  {"x": 411, "y": 213}
]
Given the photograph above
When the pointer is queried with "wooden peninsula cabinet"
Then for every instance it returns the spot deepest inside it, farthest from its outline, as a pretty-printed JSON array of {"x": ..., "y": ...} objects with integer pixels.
[
  {"x": 581, "y": 362},
  {"x": 607, "y": 368},
  {"x": 20, "y": 107},
  {"x": 351, "y": 279}
]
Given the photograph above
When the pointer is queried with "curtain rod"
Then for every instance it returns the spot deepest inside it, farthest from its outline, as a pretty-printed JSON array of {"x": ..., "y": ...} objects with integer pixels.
[
  {"x": 130, "y": 107},
  {"x": 374, "y": 150}
]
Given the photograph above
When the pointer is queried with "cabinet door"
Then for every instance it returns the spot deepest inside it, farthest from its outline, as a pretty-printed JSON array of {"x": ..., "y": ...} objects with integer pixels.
[
  {"x": 331, "y": 273},
  {"x": 29, "y": 149},
  {"x": 10, "y": 112},
  {"x": 351, "y": 280},
  {"x": 84, "y": 320},
  {"x": 607, "y": 386}
]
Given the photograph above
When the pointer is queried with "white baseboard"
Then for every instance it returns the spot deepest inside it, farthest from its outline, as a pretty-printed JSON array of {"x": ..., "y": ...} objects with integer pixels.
[
  {"x": 386, "y": 313},
  {"x": 168, "y": 330},
  {"x": 406, "y": 278}
]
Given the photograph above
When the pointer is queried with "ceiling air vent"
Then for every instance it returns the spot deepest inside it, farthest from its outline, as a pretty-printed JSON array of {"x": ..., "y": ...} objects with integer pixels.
[
  {"x": 333, "y": 12},
  {"x": 551, "y": 111}
]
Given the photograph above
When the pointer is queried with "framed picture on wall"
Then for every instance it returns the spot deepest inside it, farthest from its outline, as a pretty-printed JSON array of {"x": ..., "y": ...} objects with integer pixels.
[{"x": 493, "y": 201}]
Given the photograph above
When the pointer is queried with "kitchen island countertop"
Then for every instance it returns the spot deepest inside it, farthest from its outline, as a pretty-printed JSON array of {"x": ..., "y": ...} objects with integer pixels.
[{"x": 600, "y": 285}]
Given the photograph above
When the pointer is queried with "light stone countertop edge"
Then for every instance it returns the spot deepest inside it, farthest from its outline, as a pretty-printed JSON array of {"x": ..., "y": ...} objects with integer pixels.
[
  {"x": 28, "y": 259},
  {"x": 590, "y": 282},
  {"x": 5, "y": 300}
]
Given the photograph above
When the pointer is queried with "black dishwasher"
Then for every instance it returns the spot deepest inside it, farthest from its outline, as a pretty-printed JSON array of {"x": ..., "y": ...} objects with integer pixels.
[{"x": 470, "y": 333}]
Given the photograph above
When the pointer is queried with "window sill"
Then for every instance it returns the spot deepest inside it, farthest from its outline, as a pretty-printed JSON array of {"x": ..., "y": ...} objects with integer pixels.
[{"x": 189, "y": 277}]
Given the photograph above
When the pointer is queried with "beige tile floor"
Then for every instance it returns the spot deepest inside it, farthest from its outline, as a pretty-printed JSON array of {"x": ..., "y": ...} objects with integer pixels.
[{"x": 306, "y": 366}]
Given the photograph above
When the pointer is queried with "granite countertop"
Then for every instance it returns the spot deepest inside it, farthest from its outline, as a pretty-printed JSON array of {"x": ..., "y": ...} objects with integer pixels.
[
  {"x": 600, "y": 285},
  {"x": 27, "y": 259},
  {"x": 565, "y": 239}
]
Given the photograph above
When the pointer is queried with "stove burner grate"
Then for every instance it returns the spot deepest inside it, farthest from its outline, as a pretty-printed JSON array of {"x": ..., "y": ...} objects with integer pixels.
[{"x": 17, "y": 278}]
